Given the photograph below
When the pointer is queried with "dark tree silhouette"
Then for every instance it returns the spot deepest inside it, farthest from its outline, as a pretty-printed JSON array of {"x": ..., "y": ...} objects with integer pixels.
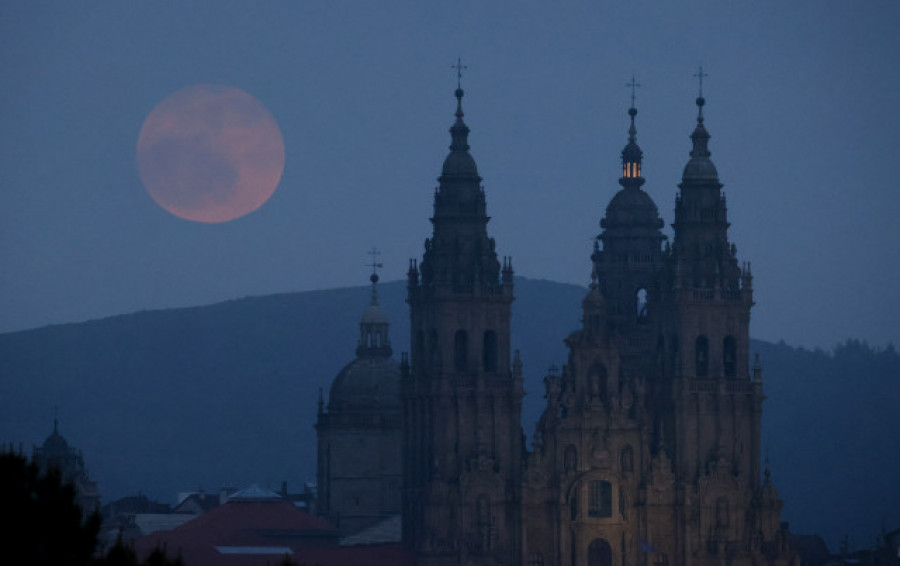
[{"x": 43, "y": 522}]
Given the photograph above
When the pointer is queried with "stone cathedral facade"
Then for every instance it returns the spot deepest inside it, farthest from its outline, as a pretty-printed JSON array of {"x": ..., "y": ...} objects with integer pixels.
[{"x": 648, "y": 450}]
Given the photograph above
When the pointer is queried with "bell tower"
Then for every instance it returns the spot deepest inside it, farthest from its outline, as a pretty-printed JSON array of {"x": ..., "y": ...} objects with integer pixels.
[
  {"x": 462, "y": 394},
  {"x": 718, "y": 420}
]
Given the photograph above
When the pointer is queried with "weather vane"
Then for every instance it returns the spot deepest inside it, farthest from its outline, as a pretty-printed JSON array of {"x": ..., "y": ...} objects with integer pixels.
[
  {"x": 700, "y": 74},
  {"x": 375, "y": 263},
  {"x": 459, "y": 67},
  {"x": 634, "y": 85}
]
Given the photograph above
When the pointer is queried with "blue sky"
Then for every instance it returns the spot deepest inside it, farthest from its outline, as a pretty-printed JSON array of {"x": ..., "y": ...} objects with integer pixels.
[{"x": 801, "y": 105}]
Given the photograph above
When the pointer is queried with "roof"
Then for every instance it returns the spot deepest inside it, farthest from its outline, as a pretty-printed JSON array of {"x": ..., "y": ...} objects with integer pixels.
[
  {"x": 388, "y": 531},
  {"x": 258, "y": 532}
]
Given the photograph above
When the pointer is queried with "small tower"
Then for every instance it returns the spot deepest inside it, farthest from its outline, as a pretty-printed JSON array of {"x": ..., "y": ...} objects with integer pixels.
[
  {"x": 628, "y": 252},
  {"x": 55, "y": 452},
  {"x": 359, "y": 434},
  {"x": 462, "y": 396}
]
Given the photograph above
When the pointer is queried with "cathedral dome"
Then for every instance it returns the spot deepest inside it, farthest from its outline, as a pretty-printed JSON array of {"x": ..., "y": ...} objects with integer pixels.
[
  {"x": 366, "y": 383},
  {"x": 55, "y": 444},
  {"x": 632, "y": 207},
  {"x": 459, "y": 164}
]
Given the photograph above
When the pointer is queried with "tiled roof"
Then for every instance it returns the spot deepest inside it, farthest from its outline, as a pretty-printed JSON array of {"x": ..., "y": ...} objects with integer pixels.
[{"x": 251, "y": 532}]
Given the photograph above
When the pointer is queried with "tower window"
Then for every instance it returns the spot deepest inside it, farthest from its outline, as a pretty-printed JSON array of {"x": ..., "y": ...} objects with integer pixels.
[
  {"x": 570, "y": 459},
  {"x": 600, "y": 499},
  {"x": 701, "y": 356},
  {"x": 729, "y": 356},
  {"x": 536, "y": 559},
  {"x": 641, "y": 304},
  {"x": 460, "y": 350},
  {"x": 489, "y": 351},
  {"x": 627, "y": 459}
]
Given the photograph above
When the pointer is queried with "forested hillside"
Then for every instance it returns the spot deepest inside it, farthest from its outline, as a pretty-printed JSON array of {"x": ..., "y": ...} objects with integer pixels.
[{"x": 174, "y": 400}]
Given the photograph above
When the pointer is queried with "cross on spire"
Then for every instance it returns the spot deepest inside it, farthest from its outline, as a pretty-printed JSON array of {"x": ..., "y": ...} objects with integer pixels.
[
  {"x": 633, "y": 85},
  {"x": 375, "y": 265},
  {"x": 700, "y": 74},
  {"x": 459, "y": 68}
]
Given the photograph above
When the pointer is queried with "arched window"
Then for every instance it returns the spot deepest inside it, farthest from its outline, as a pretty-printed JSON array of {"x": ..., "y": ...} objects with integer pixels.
[
  {"x": 701, "y": 356},
  {"x": 489, "y": 351},
  {"x": 599, "y": 553},
  {"x": 641, "y": 305},
  {"x": 729, "y": 356},
  {"x": 627, "y": 459},
  {"x": 600, "y": 499},
  {"x": 460, "y": 350},
  {"x": 570, "y": 459}
]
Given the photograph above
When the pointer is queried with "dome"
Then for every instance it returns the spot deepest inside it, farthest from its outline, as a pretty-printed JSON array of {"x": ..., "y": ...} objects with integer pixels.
[
  {"x": 366, "y": 383},
  {"x": 373, "y": 315},
  {"x": 632, "y": 207},
  {"x": 55, "y": 443},
  {"x": 700, "y": 169},
  {"x": 459, "y": 164}
]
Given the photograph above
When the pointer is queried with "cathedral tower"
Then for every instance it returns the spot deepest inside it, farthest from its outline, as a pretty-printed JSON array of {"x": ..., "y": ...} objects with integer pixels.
[
  {"x": 709, "y": 406},
  {"x": 585, "y": 488},
  {"x": 359, "y": 434},
  {"x": 462, "y": 446}
]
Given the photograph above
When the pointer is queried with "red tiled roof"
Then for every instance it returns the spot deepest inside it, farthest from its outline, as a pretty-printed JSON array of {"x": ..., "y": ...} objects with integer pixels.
[{"x": 264, "y": 524}]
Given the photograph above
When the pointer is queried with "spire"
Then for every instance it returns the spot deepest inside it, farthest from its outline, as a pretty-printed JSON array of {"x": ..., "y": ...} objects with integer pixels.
[
  {"x": 632, "y": 154},
  {"x": 459, "y": 164},
  {"x": 700, "y": 167}
]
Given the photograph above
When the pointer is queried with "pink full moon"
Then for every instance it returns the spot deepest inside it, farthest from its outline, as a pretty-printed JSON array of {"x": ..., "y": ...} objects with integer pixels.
[{"x": 210, "y": 153}]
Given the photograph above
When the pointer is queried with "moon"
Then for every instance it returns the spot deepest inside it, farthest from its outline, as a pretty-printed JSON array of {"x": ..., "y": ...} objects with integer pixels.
[{"x": 210, "y": 153}]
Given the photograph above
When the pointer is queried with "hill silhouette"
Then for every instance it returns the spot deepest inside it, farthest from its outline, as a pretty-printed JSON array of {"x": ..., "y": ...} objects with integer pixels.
[{"x": 226, "y": 394}]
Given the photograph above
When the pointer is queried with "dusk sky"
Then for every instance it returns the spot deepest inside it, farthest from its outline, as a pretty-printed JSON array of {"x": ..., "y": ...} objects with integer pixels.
[{"x": 802, "y": 105}]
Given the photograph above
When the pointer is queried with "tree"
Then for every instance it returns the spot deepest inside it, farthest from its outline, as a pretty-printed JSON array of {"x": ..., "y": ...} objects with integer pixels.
[{"x": 43, "y": 522}]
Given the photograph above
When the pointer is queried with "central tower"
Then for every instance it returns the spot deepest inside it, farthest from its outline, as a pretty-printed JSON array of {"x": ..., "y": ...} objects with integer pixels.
[{"x": 462, "y": 395}]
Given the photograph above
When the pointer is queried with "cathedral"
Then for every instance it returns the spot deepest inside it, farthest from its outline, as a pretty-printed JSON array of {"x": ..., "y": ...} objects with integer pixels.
[{"x": 648, "y": 449}]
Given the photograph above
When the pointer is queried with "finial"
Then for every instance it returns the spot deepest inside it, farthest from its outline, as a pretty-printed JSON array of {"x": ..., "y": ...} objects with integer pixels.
[
  {"x": 459, "y": 67},
  {"x": 459, "y": 91},
  {"x": 700, "y": 100},
  {"x": 375, "y": 265},
  {"x": 374, "y": 277},
  {"x": 633, "y": 85}
]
